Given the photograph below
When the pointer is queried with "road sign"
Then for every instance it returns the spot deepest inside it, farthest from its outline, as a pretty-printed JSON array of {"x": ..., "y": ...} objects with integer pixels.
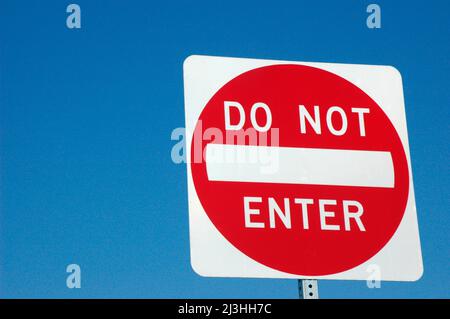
[{"x": 299, "y": 170}]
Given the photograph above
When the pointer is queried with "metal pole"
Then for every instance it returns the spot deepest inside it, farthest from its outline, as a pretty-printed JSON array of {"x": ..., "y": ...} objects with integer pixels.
[{"x": 308, "y": 289}]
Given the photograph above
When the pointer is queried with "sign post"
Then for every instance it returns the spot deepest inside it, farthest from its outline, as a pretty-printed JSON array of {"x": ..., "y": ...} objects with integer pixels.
[
  {"x": 299, "y": 170},
  {"x": 308, "y": 289}
]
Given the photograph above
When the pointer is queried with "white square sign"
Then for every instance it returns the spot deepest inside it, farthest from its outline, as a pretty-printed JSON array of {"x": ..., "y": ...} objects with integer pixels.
[{"x": 299, "y": 170}]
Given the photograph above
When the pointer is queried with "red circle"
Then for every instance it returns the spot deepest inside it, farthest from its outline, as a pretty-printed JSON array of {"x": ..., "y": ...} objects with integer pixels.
[{"x": 297, "y": 250}]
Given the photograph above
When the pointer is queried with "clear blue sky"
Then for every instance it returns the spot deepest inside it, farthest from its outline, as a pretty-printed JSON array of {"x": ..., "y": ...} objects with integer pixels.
[{"x": 86, "y": 117}]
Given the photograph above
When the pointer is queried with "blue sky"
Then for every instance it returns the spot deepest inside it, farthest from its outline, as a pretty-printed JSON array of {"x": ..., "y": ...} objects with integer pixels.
[{"x": 86, "y": 117}]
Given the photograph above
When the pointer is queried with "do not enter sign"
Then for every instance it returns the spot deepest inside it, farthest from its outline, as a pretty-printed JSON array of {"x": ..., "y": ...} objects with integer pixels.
[{"x": 298, "y": 170}]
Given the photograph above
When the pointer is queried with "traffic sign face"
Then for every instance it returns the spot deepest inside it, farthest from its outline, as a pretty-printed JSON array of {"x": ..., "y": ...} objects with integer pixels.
[{"x": 298, "y": 170}]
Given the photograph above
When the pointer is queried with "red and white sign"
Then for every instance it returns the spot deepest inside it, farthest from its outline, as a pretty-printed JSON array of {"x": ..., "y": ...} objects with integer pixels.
[{"x": 299, "y": 170}]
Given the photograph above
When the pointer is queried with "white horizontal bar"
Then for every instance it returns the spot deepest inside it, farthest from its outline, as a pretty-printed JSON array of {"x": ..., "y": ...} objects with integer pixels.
[{"x": 290, "y": 165}]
